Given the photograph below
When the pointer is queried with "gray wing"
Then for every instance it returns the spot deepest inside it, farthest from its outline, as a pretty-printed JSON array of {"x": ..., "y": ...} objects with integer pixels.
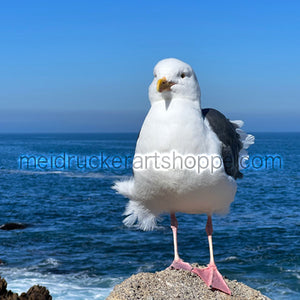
[{"x": 231, "y": 141}]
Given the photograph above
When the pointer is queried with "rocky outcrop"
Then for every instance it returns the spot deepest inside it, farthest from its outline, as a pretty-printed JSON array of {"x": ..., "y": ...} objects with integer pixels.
[
  {"x": 36, "y": 292},
  {"x": 178, "y": 284},
  {"x": 12, "y": 226}
]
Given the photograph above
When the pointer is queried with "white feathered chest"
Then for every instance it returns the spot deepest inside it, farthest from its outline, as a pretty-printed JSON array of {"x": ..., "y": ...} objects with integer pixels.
[{"x": 176, "y": 125}]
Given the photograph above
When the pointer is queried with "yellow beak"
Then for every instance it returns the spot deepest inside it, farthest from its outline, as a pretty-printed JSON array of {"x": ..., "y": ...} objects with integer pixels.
[{"x": 164, "y": 85}]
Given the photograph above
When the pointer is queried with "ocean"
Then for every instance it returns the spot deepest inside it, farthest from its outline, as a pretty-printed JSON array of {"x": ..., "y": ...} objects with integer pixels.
[{"x": 75, "y": 244}]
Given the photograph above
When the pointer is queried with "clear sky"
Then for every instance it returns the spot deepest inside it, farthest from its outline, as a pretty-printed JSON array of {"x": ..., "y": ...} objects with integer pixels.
[{"x": 85, "y": 66}]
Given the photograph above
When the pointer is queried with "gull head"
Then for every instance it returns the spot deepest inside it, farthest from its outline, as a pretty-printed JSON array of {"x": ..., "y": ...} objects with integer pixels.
[{"x": 173, "y": 79}]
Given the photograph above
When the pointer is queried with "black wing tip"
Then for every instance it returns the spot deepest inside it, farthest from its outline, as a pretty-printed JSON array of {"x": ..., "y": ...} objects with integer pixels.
[{"x": 239, "y": 175}]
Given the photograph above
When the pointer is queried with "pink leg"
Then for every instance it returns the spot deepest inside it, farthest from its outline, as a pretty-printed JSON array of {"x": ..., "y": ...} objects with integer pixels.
[
  {"x": 177, "y": 262},
  {"x": 210, "y": 275}
]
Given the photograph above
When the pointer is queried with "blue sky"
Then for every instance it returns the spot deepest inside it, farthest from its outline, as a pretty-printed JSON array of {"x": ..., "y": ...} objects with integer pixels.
[{"x": 85, "y": 66}]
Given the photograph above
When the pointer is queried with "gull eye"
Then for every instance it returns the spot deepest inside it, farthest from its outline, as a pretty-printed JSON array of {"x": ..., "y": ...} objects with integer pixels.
[{"x": 182, "y": 75}]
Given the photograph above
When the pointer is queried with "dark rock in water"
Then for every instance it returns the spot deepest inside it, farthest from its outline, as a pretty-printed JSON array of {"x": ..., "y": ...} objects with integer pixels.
[
  {"x": 178, "y": 284},
  {"x": 3, "y": 286},
  {"x": 12, "y": 226},
  {"x": 36, "y": 292}
]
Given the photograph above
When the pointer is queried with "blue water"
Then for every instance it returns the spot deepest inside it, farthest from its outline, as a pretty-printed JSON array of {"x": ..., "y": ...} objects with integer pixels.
[{"x": 75, "y": 242}]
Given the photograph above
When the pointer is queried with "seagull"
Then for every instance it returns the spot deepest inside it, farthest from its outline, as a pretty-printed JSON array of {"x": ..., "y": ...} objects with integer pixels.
[{"x": 193, "y": 158}]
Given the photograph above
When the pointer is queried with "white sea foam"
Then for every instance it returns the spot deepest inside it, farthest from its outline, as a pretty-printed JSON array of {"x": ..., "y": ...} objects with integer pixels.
[
  {"x": 30, "y": 172},
  {"x": 50, "y": 262},
  {"x": 231, "y": 258},
  {"x": 295, "y": 273},
  {"x": 62, "y": 287}
]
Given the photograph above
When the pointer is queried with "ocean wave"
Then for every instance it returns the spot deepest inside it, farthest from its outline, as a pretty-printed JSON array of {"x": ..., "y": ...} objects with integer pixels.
[
  {"x": 62, "y": 287},
  {"x": 231, "y": 258},
  {"x": 29, "y": 172},
  {"x": 51, "y": 262},
  {"x": 63, "y": 173},
  {"x": 278, "y": 291}
]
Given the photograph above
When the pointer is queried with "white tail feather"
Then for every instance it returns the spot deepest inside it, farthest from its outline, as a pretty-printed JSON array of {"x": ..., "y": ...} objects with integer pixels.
[
  {"x": 246, "y": 139},
  {"x": 238, "y": 123},
  {"x": 124, "y": 187},
  {"x": 137, "y": 214}
]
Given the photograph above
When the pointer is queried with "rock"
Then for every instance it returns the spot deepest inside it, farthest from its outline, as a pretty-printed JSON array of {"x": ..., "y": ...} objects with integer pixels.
[
  {"x": 36, "y": 292},
  {"x": 3, "y": 286},
  {"x": 12, "y": 226},
  {"x": 178, "y": 284}
]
